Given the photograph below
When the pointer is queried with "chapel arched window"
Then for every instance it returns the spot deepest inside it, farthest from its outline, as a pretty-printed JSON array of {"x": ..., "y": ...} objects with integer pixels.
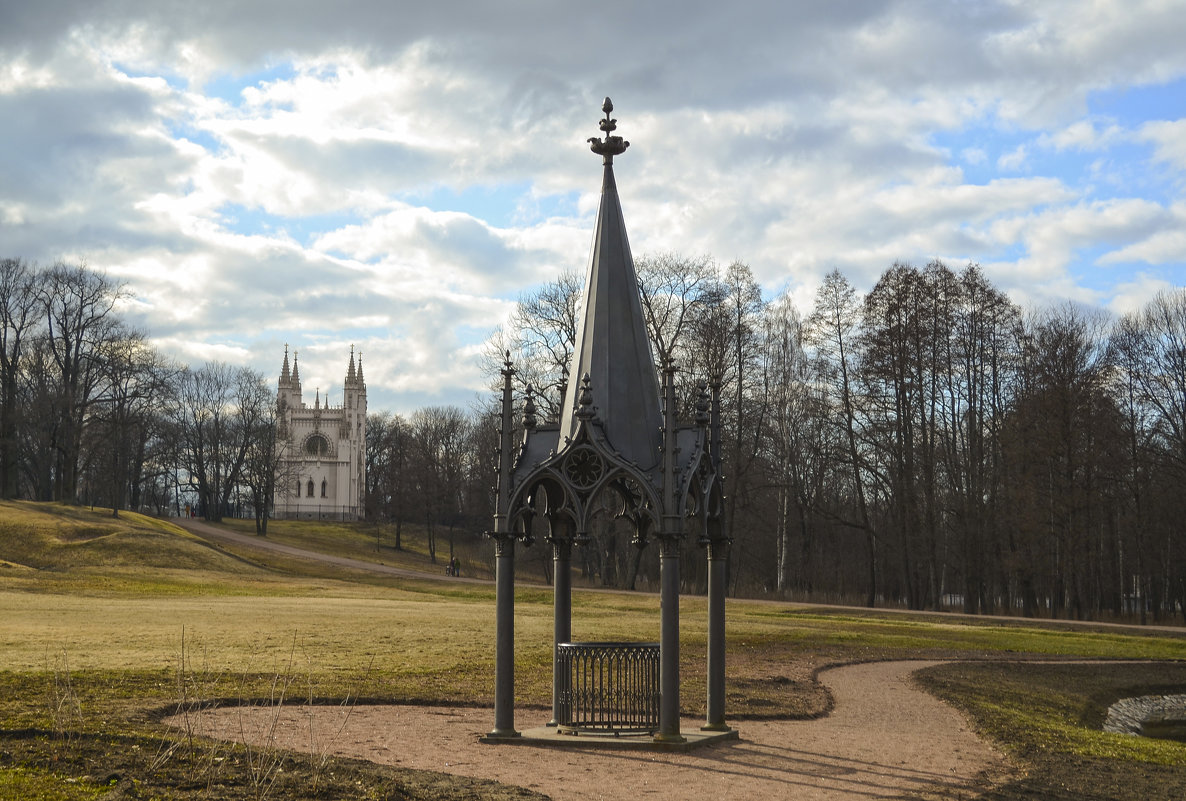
[
  {"x": 317, "y": 445},
  {"x": 324, "y": 486},
  {"x": 309, "y": 488}
]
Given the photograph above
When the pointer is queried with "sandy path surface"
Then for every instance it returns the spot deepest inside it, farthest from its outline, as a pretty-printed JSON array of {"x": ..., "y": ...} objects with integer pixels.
[{"x": 885, "y": 738}]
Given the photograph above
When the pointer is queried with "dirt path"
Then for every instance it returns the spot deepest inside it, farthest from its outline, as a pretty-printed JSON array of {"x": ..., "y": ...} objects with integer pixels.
[{"x": 885, "y": 738}]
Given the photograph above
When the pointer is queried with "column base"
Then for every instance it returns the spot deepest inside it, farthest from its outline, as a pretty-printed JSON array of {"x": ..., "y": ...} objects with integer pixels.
[
  {"x": 670, "y": 738},
  {"x": 500, "y": 734},
  {"x": 716, "y": 727}
]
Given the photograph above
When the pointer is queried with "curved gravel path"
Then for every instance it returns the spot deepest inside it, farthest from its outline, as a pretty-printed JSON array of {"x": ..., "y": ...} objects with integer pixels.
[{"x": 885, "y": 738}]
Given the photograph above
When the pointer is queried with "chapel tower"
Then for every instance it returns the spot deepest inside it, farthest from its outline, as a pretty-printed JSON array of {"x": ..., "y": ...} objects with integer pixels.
[{"x": 321, "y": 473}]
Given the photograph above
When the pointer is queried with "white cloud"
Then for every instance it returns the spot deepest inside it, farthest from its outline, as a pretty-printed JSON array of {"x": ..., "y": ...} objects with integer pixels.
[
  {"x": 303, "y": 204},
  {"x": 1164, "y": 244},
  {"x": 1084, "y": 135},
  {"x": 1013, "y": 160},
  {"x": 1169, "y": 141},
  {"x": 1131, "y": 296},
  {"x": 974, "y": 155}
]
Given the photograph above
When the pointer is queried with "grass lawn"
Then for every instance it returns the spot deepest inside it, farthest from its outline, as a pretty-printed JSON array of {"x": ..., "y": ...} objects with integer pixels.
[
  {"x": 376, "y": 543},
  {"x": 108, "y": 625}
]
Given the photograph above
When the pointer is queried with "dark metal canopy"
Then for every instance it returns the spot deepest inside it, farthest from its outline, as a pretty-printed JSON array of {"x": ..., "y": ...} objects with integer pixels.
[{"x": 617, "y": 441}]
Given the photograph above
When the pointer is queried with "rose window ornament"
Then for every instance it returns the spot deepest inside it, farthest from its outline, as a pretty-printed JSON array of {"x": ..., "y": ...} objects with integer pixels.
[{"x": 583, "y": 467}]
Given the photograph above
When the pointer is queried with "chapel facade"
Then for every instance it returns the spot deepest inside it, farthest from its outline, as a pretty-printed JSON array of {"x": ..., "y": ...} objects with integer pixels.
[{"x": 321, "y": 471}]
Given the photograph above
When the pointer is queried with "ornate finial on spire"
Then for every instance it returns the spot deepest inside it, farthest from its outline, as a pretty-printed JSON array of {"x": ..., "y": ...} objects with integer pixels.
[
  {"x": 296, "y": 371},
  {"x": 317, "y": 399},
  {"x": 358, "y": 375},
  {"x": 285, "y": 375},
  {"x": 612, "y": 145},
  {"x": 529, "y": 420},
  {"x": 585, "y": 399},
  {"x": 350, "y": 370},
  {"x": 702, "y": 403}
]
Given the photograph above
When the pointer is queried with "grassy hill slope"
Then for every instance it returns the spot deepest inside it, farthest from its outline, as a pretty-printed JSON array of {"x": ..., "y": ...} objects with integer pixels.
[{"x": 53, "y": 546}]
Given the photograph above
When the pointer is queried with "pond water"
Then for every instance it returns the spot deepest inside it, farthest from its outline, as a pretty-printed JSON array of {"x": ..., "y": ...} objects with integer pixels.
[{"x": 1162, "y": 716}]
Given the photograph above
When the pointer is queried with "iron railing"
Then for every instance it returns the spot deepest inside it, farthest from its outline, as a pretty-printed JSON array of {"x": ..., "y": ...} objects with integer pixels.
[{"x": 608, "y": 687}]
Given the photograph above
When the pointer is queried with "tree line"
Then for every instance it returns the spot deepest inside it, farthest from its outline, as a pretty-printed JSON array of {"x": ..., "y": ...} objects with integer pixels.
[
  {"x": 928, "y": 443},
  {"x": 91, "y": 413}
]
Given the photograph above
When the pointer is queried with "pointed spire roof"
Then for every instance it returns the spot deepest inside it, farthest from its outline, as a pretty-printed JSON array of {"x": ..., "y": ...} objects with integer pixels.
[
  {"x": 358, "y": 375},
  {"x": 296, "y": 371},
  {"x": 350, "y": 371},
  {"x": 612, "y": 345},
  {"x": 285, "y": 376}
]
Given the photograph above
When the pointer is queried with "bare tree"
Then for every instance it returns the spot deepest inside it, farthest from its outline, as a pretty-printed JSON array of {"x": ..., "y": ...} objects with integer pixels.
[
  {"x": 794, "y": 441},
  {"x": 672, "y": 290},
  {"x": 832, "y": 329},
  {"x": 215, "y": 431},
  {"x": 18, "y": 321},
  {"x": 1150, "y": 356},
  {"x": 540, "y": 337},
  {"x": 135, "y": 379},
  {"x": 267, "y": 470},
  {"x": 389, "y": 470},
  {"x": 439, "y": 436},
  {"x": 78, "y": 305},
  {"x": 1060, "y": 443}
]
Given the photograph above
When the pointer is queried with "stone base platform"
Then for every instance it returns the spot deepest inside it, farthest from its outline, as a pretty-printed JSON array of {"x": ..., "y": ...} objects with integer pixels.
[{"x": 549, "y": 737}]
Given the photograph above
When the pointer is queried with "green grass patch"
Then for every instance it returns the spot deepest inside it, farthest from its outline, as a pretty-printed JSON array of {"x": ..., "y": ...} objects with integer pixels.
[
  {"x": 371, "y": 542},
  {"x": 1048, "y": 717},
  {"x": 977, "y": 636},
  {"x": 21, "y": 784}
]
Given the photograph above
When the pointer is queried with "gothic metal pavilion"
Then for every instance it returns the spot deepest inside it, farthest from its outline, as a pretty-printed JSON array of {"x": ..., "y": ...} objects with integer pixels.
[{"x": 617, "y": 441}]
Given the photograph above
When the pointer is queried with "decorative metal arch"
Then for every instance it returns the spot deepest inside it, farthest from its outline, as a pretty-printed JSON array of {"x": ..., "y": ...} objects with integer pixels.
[{"x": 583, "y": 470}]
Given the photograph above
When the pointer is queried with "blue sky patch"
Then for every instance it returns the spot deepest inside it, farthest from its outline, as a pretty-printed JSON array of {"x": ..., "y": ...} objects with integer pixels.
[
  {"x": 1117, "y": 169},
  {"x": 229, "y": 86},
  {"x": 1132, "y": 105},
  {"x": 173, "y": 80},
  {"x": 240, "y": 219},
  {"x": 182, "y": 130}
]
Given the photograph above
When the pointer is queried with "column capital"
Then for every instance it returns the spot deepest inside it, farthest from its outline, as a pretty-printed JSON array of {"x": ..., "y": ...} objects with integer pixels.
[
  {"x": 504, "y": 542},
  {"x": 669, "y": 545},
  {"x": 561, "y": 547},
  {"x": 718, "y": 548}
]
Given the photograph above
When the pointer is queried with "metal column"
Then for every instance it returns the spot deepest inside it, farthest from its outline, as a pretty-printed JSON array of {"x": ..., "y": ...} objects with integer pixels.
[
  {"x": 561, "y": 616},
  {"x": 504, "y": 552},
  {"x": 504, "y": 649},
  {"x": 716, "y": 637},
  {"x": 669, "y": 643}
]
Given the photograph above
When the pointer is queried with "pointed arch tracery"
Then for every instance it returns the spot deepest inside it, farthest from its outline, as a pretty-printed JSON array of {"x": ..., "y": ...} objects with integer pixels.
[{"x": 574, "y": 480}]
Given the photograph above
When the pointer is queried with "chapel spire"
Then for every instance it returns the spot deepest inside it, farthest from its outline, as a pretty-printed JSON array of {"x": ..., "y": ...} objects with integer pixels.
[
  {"x": 350, "y": 375},
  {"x": 285, "y": 375}
]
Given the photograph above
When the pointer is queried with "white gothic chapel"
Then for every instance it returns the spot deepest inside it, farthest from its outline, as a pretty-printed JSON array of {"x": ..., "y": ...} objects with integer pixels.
[{"x": 321, "y": 472}]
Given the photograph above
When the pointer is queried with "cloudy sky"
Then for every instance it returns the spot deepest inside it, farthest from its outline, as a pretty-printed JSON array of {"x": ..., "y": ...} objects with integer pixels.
[{"x": 393, "y": 175}]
